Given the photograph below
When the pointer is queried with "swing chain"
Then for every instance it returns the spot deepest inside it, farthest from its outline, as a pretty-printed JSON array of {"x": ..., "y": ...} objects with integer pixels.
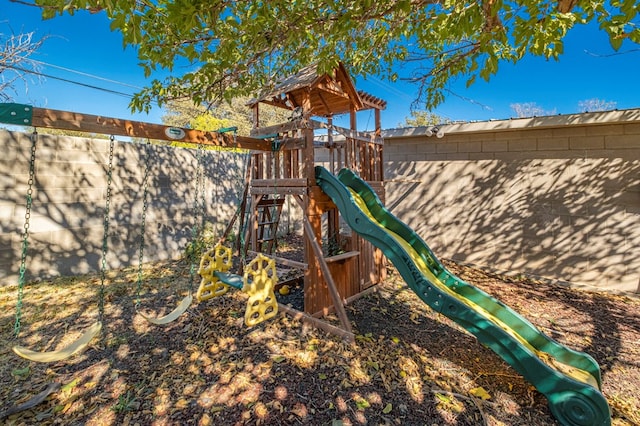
[
  {"x": 105, "y": 237},
  {"x": 145, "y": 192},
  {"x": 25, "y": 234},
  {"x": 275, "y": 148},
  {"x": 198, "y": 212}
]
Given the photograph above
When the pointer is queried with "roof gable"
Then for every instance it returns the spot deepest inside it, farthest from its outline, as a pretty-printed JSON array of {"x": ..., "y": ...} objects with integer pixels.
[{"x": 330, "y": 94}]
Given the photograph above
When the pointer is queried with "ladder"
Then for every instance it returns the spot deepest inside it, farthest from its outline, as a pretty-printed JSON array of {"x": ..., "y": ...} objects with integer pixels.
[{"x": 268, "y": 212}]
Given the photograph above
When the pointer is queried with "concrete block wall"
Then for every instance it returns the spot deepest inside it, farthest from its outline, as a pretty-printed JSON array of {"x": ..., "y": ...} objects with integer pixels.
[
  {"x": 552, "y": 197},
  {"x": 69, "y": 195}
]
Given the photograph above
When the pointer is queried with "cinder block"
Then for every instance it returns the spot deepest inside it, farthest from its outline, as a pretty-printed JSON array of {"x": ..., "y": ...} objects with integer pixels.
[
  {"x": 631, "y": 128},
  {"x": 539, "y": 133},
  {"x": 75, "y": 156},
  {"x": 443, "y": 148},
  {"x": 426, "y": 148},
  {"x": 434, "y": 157},
  {"x": 622, "y": 142},
  {"x": 495, "y": 146},
  {"x": 508, "y": 135},
  {"x": 513, "y": 155},
  {"x": 553, "y": 144},
  {"x": 457, "y": 156},
  {"x": 479, "y": 156},
  {"x": 524, "y": 144},
  {"x": 62, "y": 143},
  {"x": 410, "y": 148},
  {"x": 391, "y": 148},
  {"x": 586, "y": 142},
  {"x": 469, "y": 147},
  {"x": 610, "y": 129},
  {"x": 569, "y": 131}
]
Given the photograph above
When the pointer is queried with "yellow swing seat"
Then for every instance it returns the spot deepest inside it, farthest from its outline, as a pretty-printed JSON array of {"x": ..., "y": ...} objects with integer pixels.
[
  {"x": 173, "y": 315},
  {"x": 73, "y": 348}
]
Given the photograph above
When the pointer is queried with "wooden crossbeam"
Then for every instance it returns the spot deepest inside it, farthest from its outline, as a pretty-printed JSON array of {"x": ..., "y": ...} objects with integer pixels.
[
  {"x": 67, "y": 120},
  {"x": 280, "y": 128},
  {"x": 349, "y": 133}
]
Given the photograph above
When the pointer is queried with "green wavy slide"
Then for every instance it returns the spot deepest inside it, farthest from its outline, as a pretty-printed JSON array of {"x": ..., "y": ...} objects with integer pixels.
[{"x": 569, "y": 379}]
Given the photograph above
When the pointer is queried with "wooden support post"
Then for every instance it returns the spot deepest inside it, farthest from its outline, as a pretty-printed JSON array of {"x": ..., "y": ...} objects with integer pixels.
[
  {"x": 256, "y": 115},
  {"x": 319, "y": 257},
  {"x": 355, "y": 166},
  {"x": 309, "y": 153},
  {"x": 332, "y": 164}
]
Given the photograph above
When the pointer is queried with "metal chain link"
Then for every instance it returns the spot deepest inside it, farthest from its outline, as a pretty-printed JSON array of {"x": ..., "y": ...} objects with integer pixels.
[
  {"x": 195, "y": 240},
  {"x": 25, "y": 233},
  {"x": 145, "y": 191},
  {"x": 105, "y": 237},
  {"x": 201, "y": 206},
  {"x": 244, "y": 219},
  {"x": 275, "y": 148}
]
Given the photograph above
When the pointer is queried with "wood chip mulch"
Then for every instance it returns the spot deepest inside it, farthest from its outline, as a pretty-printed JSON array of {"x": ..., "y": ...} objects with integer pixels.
[{"x": 408, "y": 365}]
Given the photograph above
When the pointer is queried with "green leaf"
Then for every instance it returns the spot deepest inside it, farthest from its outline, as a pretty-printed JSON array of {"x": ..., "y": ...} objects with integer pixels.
[
  {"x": 470, "y": 81},
  {"x": 443, "y": 398},
  {"x": 362, "y": 404},
  {"x": 69, "y": 386},
  {"x": 616, "y": 42},
  {"x": 387, "y": 408},
  {"x": 21, "y": 372}
]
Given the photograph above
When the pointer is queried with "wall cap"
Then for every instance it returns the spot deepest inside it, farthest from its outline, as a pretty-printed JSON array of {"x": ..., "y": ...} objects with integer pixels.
[{"x": 513, "y": 124}]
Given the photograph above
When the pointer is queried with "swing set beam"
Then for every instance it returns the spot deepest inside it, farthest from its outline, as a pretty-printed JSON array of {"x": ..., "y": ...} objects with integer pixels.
[{"x": 27, "y": 115}]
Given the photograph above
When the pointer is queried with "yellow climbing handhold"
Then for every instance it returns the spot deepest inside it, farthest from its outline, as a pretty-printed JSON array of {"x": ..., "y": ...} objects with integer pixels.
[
  {"x": 259, "y": 282},
  {"x": 218, "y": 259}
]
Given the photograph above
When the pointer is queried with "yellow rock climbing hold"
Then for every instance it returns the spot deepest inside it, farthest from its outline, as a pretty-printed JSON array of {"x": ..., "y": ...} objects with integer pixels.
[
  {"x": 218, "y": 259},
  {"x": 259, "y": 282}
]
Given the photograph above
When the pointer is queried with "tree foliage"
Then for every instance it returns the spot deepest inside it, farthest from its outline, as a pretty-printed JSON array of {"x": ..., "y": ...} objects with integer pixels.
[
  {"x": 183, "y": 113},
  {"x": 530, "y": 109},
  {"x": 17, "y": 69},
  {"x": 235, "y": 48},
  {"x": 595, "y": 104},
  {"x": 421, "y": 119}
]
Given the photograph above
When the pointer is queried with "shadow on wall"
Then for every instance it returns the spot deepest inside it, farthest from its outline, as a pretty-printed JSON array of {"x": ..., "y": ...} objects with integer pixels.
[
  {"x": 564, "y": 218},
  {"x": 69, "y": 200}
]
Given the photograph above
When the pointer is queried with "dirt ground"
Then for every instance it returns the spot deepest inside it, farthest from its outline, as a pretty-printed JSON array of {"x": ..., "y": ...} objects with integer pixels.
[{"x": 408, "y": 365}]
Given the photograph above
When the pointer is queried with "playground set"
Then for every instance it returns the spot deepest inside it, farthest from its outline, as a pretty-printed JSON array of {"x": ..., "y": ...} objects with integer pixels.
[{"x": 347, "y": 188}]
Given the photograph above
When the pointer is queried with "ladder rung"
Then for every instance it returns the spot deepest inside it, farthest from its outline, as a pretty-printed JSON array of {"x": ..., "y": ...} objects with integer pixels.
[{"x": 268, "y": 223}]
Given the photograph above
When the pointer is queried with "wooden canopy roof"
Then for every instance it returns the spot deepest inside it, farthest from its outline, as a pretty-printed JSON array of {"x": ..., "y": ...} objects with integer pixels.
[{"x": 331, "y": 94}]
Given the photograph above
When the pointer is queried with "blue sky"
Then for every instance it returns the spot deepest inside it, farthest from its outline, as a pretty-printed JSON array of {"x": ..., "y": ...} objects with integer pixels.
[{"x": 85, "y": 44}]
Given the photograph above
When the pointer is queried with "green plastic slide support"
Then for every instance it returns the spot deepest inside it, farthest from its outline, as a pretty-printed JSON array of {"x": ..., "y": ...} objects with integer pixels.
[
  {"x": 569, "y": 379},
  {"x": 19, "y": 114}
]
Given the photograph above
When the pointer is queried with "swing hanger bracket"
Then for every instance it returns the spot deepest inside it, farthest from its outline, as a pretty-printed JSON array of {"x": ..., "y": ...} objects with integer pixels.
[
  {"x": 276, "y": 144},
  {"x": 20, "y": 114},
  {"x": 233, "y": 129}
]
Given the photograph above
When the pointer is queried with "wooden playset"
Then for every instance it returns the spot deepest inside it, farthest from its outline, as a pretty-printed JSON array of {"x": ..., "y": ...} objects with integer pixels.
[
  {"x": 338, "y": 265},
  {"x": 326, "y": 177}
]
